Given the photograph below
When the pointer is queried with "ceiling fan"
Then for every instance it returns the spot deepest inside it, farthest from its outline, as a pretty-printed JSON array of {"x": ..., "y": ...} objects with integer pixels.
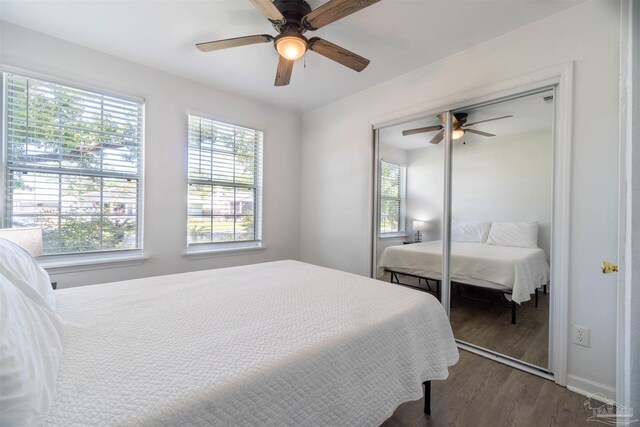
[
  {"x": 293, "y": 18},
  {"x": 460, "y": 127}
]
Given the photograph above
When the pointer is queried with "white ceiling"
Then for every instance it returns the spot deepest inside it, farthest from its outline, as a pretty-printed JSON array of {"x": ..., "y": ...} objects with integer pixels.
[
  {"x": 530, "y": 113},
  {"x": 396, "y": 35}
]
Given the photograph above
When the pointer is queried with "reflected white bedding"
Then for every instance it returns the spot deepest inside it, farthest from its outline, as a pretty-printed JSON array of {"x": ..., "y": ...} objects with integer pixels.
[
  {"x": 281, "y": 343},
  {"x": 520, "y": 270}
]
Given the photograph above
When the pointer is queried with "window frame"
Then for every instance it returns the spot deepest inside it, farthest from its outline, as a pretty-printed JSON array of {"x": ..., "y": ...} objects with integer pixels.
[
  {"x": 70, "y": 260},
  {"x": 197, "y": 250},
  {"x": 401, "y": 199}
]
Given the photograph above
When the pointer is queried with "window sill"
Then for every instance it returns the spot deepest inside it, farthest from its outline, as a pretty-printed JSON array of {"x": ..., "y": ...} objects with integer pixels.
[
  {"x": 76, "y": 263},
  {"x": 392, "y": 236},
  {"x": 208, "y": 251}
]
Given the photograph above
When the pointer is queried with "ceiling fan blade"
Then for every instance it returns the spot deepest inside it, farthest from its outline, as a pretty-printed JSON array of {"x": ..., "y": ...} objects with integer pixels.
[
  {"x": 439, "y": 137},
  {"x": 489, "y": 120},
  {"x": 421, "y": 130},
  {"x": 283, "y": 75},
  {"x": 479, "y": 132},
  {"x": 338, "y": 54},
  {"x": 235, "y": 42},
  {"x": 332, "y": 11},
  {"x": 454, "y": 120},
  {"x": 269, "y": 10}
]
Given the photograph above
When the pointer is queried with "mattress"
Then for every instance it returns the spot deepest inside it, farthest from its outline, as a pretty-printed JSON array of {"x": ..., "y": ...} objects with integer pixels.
[
  {"x": 516, "y": 270},
  {"x": 280, "y": 343}
]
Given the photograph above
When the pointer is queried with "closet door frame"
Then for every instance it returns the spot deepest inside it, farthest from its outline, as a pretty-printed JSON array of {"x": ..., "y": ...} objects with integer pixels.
[{"x": 561, "y": 78}]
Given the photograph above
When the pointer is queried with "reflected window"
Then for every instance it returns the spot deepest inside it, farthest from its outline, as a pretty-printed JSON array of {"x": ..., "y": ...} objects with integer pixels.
[{"x": 393, "y": 199}]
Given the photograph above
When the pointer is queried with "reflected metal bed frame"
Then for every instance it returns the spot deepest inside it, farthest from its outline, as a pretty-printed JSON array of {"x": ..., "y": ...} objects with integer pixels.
[{"x": 438, "y": 285}]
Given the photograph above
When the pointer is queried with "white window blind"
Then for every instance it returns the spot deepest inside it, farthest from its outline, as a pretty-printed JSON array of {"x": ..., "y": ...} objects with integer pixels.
[
  {"x": 73, "y": 165},
  {"x": 393, "y": 180},
  {"x": 225, "y": 183}
]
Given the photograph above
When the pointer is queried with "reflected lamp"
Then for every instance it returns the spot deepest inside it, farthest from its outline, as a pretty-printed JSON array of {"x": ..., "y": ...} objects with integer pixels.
[{"x": 419, "y": 226}]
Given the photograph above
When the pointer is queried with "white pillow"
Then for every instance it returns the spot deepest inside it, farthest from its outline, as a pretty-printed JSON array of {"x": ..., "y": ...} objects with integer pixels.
[
  {"x": 24, "y": 272},
  {"x": 469, "y": 231},
  {"x": 30, "y": 348},
  {"x": 518, "y": 234},
  {"x": 30, "y": 238}
]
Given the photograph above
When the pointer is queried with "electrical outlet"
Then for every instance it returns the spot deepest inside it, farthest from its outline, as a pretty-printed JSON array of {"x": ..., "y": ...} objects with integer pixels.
[{"x": 581, "y": 335}]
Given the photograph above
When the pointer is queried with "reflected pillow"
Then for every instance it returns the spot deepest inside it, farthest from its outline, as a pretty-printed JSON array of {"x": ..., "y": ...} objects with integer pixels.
[
  {"x": 24, "y": 272},
  {"x": 30, "y": 349},
  {"x": 469, "y": 231},
  {"x": 518, "y": 234}
]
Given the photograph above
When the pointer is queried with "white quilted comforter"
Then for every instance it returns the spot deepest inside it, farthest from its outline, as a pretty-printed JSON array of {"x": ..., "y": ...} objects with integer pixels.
[
  {"x": 281, "y": 343},
  {"x": 520, "y": 270}
]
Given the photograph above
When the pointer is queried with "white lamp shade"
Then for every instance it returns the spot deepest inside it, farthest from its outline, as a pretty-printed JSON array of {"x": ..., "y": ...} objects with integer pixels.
[
  {"x": 29, "y": 239},
  {"x": 419, "y": 226}
]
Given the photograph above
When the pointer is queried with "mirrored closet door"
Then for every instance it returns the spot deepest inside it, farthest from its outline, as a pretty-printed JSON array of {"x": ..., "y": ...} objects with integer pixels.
[
  {"x": 464, "y": 211},
  {"x": 409, "y": 226},
  {"x": 501, "y": 209}
]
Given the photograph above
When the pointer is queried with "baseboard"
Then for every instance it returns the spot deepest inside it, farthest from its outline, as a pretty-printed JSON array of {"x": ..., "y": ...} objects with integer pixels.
[{"x": 587, "y": 387}]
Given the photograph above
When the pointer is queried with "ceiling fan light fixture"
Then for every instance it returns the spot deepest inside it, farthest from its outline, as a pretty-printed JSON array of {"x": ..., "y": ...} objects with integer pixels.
[
  {"x": 291, "y": 47},
  {"x": 457, "y": 134}
]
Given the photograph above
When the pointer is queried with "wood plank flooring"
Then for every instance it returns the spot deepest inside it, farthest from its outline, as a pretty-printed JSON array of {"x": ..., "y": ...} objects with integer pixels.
[
  {"x": 489, "y": 326},
  {"x": 480, "y": 392}
]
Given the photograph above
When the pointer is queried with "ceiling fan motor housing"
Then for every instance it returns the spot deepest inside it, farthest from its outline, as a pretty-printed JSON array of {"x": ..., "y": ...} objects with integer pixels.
[{"x": 293, "y": 11}]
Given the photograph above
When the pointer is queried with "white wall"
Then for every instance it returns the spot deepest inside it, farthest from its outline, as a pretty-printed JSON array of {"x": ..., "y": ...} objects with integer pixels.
[
  {"x": 168, "y": 99},
  {"x": 506, "y": 178},
  {"x": 337, "y": 153}
]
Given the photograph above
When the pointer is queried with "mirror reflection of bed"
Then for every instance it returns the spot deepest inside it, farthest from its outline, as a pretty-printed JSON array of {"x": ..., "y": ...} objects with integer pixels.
[{"x": 501, "y": 223}]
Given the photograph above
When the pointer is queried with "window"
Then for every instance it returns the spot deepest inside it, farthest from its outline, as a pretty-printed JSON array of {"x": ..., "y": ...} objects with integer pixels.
[
  {"x": 393, "y": 182},
  {"x": 72, "y": 166},
  {"x": 225, "y": 184}
]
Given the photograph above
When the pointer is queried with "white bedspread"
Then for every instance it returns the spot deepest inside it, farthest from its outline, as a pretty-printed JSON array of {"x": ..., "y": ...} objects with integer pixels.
[
  {"x": 520, "y": 270},
  {"x": 281, "y": 343}
]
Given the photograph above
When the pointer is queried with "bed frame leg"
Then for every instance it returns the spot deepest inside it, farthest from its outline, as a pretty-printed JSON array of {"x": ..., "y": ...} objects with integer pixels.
[
  {"x": 536, "y": 297},
  {"x": 513, "y": 312},
  {"x": 427, "y": 397},
  {"x": 544, "y": 289}
]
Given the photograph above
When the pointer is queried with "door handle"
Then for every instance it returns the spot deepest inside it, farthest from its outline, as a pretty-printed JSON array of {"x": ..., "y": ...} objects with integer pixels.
[{"x": 608, "y": 268}]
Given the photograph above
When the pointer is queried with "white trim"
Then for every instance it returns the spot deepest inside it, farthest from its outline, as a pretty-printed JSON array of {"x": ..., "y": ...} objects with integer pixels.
[
  {"x": 628, "y": 203},
  {"x": 4, "y": 68},
  {"x": 3, "y": 153},
  {"x": 77, "y": 263},
  {"x": 538, "y": 79},
  {"x": 216, "y": 252},
  {"x": 386, "y": 236},
  {"x": 226, "y": 121},
  {"x": 561, "y": 245},
  {"x": 587, "y": 387},
  {"x": 561, "y": 77}
]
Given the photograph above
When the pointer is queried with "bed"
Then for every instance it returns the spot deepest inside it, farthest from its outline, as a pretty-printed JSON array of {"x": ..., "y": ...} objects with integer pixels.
[
  {"x": 516, "y": 271},
  {"x": 279, "y": 343}
]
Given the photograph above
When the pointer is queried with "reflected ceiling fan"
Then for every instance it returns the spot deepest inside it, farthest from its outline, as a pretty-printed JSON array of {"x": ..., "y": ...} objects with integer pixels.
[
  {"x": 460, "y": 127},
  {"x": 293, "y": 18}
]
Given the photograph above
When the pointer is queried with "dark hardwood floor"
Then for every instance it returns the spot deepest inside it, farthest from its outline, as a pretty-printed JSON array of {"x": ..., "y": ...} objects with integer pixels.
[
  {"x": 489, "y": 326},
  {"x": 480, "y": 392}
]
